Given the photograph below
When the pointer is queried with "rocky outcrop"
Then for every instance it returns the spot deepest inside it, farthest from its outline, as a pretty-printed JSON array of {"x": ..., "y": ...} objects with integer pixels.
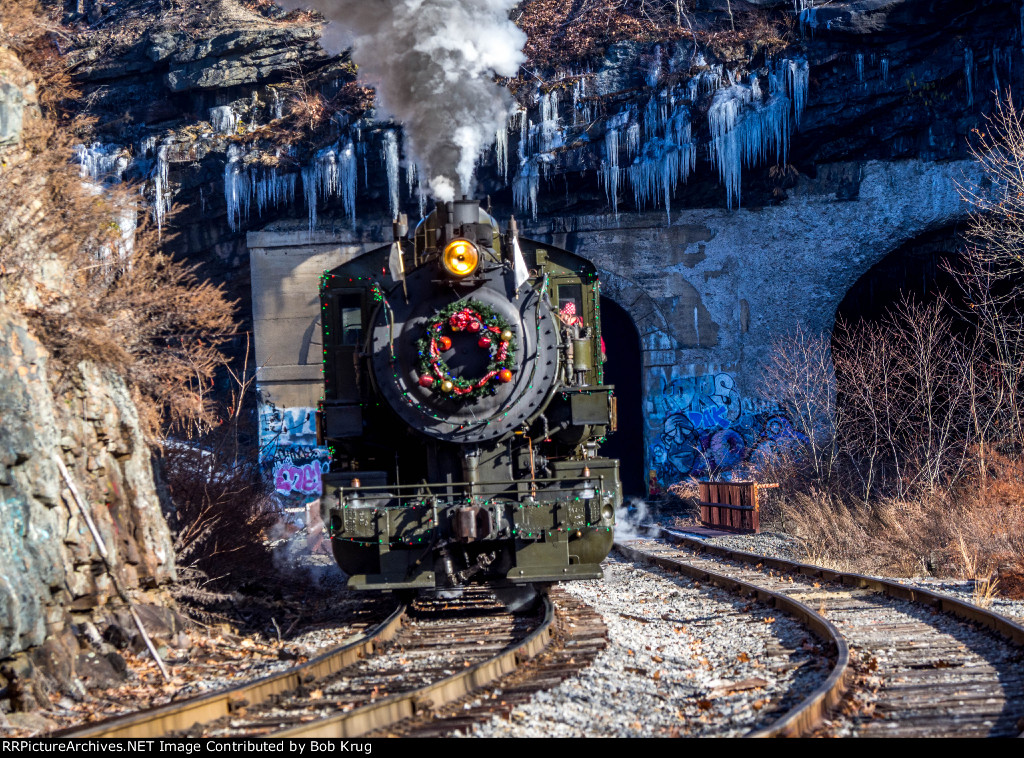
[
  {"x": 53, "y": 578},
  {"x": 82, "y": 526}
]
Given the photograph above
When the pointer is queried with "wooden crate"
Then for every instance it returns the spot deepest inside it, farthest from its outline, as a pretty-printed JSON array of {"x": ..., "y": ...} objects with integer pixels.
[{"x": 731, "y": 505}]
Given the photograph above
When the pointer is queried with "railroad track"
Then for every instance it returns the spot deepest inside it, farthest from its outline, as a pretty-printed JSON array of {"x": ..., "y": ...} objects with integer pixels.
[
  {"x": 917, "y": 663},
  {"x": 175, "y": 717},
  {"x": 422, "y": 657},
  {"x": 578, "y": 637}
]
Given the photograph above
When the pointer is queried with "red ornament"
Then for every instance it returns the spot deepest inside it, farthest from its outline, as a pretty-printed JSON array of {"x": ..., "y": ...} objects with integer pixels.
[
  {"x": 484, "y": 342},
  {"x": 426, "y": 381},
  {"x": 505, "y": 375},
  {"x": 474, "y": 326},
  {"x": 445, "y": 343}
]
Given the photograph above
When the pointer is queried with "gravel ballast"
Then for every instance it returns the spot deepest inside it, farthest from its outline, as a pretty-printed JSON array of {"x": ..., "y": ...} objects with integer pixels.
[{"x": 682, "y": 660}]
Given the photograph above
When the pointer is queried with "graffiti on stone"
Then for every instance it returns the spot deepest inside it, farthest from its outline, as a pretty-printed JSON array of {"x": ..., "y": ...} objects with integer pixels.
[
  {"x": 289, "y": 452},
  {"x": 701, "y": 426},
  {"x": 285, "y": 428},
  {"x": 301, "y": 479}
]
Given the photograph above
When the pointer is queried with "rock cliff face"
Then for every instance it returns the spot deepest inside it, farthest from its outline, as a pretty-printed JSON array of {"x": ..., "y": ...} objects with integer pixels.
[
  {"x": 205, "y": 116},
  {"x": 71, "y": 451}
]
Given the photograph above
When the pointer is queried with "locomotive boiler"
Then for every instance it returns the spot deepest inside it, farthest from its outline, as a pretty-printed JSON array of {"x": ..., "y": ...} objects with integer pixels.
[{"x": 464, "y": 407}]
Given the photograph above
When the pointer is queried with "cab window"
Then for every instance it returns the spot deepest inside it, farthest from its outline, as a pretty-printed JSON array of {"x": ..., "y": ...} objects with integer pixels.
[{"x": 570, "y": 304}]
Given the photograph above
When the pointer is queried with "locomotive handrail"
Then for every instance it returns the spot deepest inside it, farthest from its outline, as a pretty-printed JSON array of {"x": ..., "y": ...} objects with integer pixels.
[{"x": 445, "y": 485}]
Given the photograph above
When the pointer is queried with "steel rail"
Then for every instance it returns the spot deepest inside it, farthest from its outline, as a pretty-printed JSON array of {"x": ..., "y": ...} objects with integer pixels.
[
  {"x": 959, "y": 608},
  {"x": 944, "y": 603},
  {"x": 203, "y": 709},
  {"x": 403, "y": 705},
  {"x": 812, "y": 709}
]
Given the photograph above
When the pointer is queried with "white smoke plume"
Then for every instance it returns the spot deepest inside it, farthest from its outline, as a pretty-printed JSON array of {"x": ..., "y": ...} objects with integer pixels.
[
  {"x": 631, "y": 520},
  {"x": 432, "y": 63}
]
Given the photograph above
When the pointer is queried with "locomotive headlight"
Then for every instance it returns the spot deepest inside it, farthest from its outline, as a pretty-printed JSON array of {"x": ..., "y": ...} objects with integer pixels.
[{"x": 460, "y": 257}]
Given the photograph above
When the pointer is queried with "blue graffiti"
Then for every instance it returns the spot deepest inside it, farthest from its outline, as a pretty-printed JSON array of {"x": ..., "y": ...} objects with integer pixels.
[
  {"x": 684, "y": 449},
  {"x": 715, "y": 416}
]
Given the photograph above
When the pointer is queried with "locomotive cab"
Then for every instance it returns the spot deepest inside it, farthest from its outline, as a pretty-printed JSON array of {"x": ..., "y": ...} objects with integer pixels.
[{"x": 464, "y": 407}]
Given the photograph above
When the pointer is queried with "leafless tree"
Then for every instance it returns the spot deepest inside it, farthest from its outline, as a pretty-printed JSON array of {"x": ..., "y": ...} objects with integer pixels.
[{"x": 800, "y": 378}]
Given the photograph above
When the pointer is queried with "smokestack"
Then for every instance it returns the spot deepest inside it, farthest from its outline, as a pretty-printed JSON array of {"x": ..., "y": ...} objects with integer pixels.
[{"x": 432, "y": 63}]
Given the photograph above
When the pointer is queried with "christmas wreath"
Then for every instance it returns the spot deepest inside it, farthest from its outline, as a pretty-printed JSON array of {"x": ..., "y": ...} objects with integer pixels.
[{"x": 495, "y": 337}]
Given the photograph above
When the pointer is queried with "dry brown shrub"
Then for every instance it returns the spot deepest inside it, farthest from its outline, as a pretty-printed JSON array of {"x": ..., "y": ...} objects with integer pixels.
[
  {"x": 559, "y": 32},
  {"x": 891, "y": 474},
  {"x": 224, "y": 512},
  {"x": 989, "y": 524},
  {"x": 97, "y": 289}
]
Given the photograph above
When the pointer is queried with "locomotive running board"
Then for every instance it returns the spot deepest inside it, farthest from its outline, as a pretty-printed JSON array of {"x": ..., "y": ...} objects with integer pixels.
[
  {"x": 529, "y": 574},
  {"x": 381, "y": 582}
]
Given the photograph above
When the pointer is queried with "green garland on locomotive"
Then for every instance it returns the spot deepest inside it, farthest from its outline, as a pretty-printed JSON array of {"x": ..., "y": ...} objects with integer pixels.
[{"x": 455, "y": 461}]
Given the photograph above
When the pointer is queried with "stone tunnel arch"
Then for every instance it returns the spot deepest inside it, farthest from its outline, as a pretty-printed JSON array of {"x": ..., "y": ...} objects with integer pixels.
[
  {"x": 917, "y": 269},
  {"x": 624, "y": 370},
  {"x": 639, "y": 330}
]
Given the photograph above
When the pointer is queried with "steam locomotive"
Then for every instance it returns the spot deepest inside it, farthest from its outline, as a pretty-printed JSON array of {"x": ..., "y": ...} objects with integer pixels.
[{"x": 464, "y": 407}]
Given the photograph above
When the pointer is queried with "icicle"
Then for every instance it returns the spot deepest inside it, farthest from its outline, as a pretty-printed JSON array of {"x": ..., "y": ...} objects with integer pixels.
[
  {"x": 656, "y": 172},
  {"x": 518, "y": 121},
  {"x": 332, "y": 173},
  {"x": 360, "y": 151},
  {"x": 807, "y": 14},
  {"x": 549, "y": 131},
  {"x": 243, "y": 184},
  {"x": 148, "y": 146},
  {"x": 858, "y": 62},
  {"x": 127, "y": 223},
  {"x": 650, "y": 118},
  {"x": 525, "y": 188},
  {"x": 969, "y": 75},
  {"x": 679, "y": 129},
  {"x": 723, "y": 115},
  {"x": 707, "y": 81},
  {"x": 410, "y": 177},
  {"x": 746, "y": 133},
  {"x": 347, "y": 159},
  {"x": 653, "y": 75},
  {"x": 237, "y": 188},
  {"x": 610, "y": 169},
  {"x": 272, "y": 190},
  {"x": 320, "y": 178},
  {"x": 632, "y": 140},
  {"x": 885, "y": 70},
  {"x": 162, "y": 199},
  {"x": 501, "y": 151},
  {"x": 796, "y": 74},
  {"x": 223, "y": 119},
  {"x": 582, "y": 109},
  {"x": 390, "y": 155},
  {"x": 100, "y": 162},
  {"x": 696, "y": 325}
]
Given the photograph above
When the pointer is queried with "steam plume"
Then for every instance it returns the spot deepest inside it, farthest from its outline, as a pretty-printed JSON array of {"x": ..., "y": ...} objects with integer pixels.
[{"x": 431, "y": 63}]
